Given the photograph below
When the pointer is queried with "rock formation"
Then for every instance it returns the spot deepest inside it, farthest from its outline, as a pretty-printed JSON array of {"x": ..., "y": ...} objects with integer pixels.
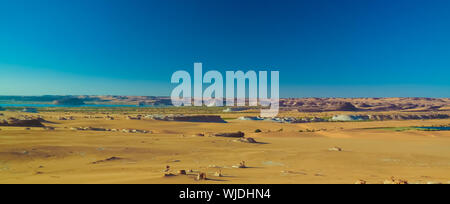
[
  {"x": 234, "y": 134},
  {"x": 14, "y": 122},
  {"x": 69, "y": 102},
  {"x": 183, "y": 118}
]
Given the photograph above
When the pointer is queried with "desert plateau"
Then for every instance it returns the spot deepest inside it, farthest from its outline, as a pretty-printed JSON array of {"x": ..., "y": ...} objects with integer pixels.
[{"x": 312, "y": 140}]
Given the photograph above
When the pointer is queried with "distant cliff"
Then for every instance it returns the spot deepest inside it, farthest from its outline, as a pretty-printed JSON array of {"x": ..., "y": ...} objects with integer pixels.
[{"x": 69, "y": 101}]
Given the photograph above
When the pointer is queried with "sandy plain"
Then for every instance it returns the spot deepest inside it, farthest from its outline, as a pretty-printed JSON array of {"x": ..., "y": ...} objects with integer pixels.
[{"x": 286, "y": 153}]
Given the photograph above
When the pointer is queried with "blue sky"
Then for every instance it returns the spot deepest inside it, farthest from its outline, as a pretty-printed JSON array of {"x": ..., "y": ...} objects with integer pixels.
[{"x": 322, "y": 48}]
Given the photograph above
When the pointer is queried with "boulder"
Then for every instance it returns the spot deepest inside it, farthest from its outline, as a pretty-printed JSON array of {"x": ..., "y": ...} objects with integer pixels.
[
  {"x": 335, "y": 149},
  {"x": 235, "y": 134},
  {"x": 251, "y": 140},
  {"x": 199, "y": 118},
  {"x": 183, "y": 118},
  {"x": 346, "y": 118},
  {"x": 13, "y": 122},
  {"x": 201, "y": 176}
]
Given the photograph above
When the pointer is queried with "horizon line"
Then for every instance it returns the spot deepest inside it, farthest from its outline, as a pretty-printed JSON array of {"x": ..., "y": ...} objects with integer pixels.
[{"x": 1, "y": 95}]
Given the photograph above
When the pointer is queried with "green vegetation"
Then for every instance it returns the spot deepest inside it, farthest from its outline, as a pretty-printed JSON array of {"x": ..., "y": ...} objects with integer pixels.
[
  {"x": 227, "y": 119},
  {"x": 313, "y": 130}
]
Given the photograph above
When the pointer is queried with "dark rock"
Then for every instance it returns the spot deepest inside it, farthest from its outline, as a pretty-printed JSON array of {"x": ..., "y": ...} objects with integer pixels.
[
  {"x": 200, "y": 118},
  {"x": 236, "y": 134},
  {"x": 107, "y": 160},
  {"x": 182, "y": 118},
  {"x": 13, "y": 122},
  {"x": 251, "y": 140}
]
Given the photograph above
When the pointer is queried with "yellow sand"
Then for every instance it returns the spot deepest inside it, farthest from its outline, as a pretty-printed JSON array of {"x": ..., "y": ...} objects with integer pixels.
[{"x": 287, "y": 156}]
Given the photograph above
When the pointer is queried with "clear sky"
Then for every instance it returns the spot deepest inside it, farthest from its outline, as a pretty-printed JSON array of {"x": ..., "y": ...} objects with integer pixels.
[{"x": 322, "y": 48}]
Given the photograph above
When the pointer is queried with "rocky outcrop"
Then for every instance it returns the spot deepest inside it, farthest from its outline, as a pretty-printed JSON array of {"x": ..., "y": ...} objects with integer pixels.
[
  {"x": 348, "y": 118},
  {"x": 364, "y": 104},
  {"x": 234, "y": 134},
  {"x": 109, "y": 130},
  {"x": 389, "y": 117},
  {"x": 183, "y": 118},
  {"x": 200, "y": 118},
  {"x": 14, "y": 122},
  {"x": 334, "y": 106}
]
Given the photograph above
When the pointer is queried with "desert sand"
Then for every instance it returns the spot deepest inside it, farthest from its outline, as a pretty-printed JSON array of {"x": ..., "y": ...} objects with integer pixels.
[{"x": 285, "y": 153}]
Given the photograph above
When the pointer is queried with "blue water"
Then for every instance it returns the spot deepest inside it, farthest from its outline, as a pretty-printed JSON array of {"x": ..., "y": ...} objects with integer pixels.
[
  {"x": 435, "y": 128},
  {"x": 69, "y": 106}
]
